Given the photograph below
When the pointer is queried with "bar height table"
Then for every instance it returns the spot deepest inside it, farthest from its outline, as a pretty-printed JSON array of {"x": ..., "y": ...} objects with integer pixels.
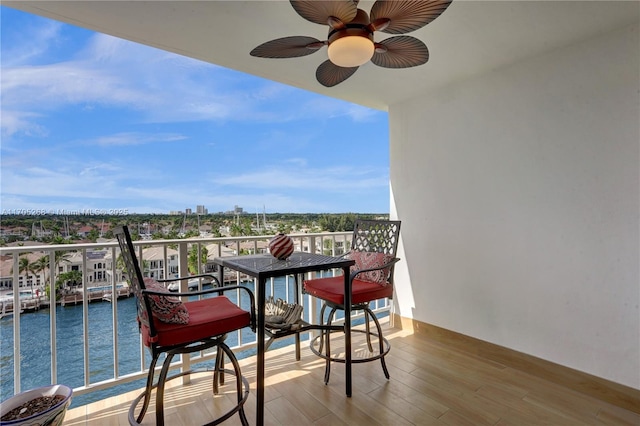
[{"x": 265, "y": 266}]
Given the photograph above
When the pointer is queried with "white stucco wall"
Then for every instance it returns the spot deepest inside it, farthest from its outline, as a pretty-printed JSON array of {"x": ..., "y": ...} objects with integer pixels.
[{"x": 519, "y": 196}]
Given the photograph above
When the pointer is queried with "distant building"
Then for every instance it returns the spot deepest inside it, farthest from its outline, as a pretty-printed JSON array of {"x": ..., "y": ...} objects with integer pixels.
[
  {"x": 84, "y": 231},
  {"x": 188, "y": 211},
  {"x": 18, "y": 231},
  {"x": 154, "y": 262},
  {"x": 201, "y": 210},
  {"x": 26, "y": 279},
  {"x": 98, "y": 266}
]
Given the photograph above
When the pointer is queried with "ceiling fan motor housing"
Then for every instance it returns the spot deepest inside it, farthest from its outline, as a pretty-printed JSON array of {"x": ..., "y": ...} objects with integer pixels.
[
  {"x": 360, "y": 31},
  {"x": 360, "y": 41}
]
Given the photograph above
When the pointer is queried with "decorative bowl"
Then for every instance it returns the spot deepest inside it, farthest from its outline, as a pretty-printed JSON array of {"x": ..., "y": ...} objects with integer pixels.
[
  {"x": 281, "y": 246},
  {"x": 52, "y": 416}
]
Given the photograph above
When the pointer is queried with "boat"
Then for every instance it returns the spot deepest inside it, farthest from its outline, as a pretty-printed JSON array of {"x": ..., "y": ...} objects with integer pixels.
[
  {"x": 192, "y": 285},
  {"x": 29, "y": 301},
  {"x": 121, "y": 291},
  {"x": 6, "y": 309}
]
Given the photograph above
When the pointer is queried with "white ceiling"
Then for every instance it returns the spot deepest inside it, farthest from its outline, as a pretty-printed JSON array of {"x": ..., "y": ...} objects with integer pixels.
[{"x": 471, "y": 37}]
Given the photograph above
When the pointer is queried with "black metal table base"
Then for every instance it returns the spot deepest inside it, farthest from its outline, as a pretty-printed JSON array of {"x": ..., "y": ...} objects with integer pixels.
[{"x": 264, "y": 266}]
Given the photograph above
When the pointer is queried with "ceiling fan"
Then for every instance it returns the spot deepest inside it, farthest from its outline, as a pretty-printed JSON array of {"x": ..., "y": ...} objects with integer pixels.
[{"x": 350, "y": 40}]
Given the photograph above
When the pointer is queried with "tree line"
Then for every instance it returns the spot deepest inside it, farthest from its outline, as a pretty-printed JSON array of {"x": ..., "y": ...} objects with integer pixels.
[{"x": 64, "y": 229}]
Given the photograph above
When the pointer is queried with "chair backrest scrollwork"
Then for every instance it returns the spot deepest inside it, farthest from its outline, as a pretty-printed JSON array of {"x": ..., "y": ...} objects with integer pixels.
[
  {"x": 134, "y": 276},
  {"x": 379, "y": 236}
]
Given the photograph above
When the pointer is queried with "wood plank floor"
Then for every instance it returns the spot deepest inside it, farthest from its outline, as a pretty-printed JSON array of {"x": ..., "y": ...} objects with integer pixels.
[{"x": 431, "y": 384}]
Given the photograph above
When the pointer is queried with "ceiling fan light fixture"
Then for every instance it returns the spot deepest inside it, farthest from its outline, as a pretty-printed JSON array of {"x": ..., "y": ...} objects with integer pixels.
[
  {"x": 351, "y": 50},
  {"x": 351, "y": 33}
]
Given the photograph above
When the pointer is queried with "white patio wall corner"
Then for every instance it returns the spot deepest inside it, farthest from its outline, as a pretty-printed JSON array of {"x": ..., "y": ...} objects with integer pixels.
[{"x": 519, "y": 195}]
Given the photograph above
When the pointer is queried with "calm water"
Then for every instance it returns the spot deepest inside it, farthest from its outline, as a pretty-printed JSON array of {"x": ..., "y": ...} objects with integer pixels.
[{"x": 35, "y": 357}]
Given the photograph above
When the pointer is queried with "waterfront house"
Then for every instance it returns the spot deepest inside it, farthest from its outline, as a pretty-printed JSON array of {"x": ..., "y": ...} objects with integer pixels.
[
  {"x": 513, "y": 165},
  {"x": 215, "y": 250},
  {"x": 98, "y": 266},
  {"x": 32, "y": 277},
  {"x": 155, "y": 262}
]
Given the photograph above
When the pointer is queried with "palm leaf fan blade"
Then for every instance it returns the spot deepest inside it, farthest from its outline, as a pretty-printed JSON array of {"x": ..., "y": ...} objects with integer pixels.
[
  {"x": 287, "y": 47},
  {"x": 407, "y": 15},
  {"x": 318, "y": 12},
  {"x": 401, "y": 52},
  {"x": 329, "y": 74}
]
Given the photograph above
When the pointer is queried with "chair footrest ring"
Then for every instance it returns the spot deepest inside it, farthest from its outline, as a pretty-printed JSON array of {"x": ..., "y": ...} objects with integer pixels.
[
  {"x": 225, "y": 416},
  {"x": 386, "y": 345}
]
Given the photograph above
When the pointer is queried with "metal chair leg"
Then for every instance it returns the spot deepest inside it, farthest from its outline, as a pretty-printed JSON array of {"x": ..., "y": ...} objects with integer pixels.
[
  {"x": 218, "y": 374},
  {"x": 381, "y": 344},
  {"x": 148, "y": 389},
  {"x": 327, "y": 368},
  {"x": 322, "y": 336},
  {"x": 160, "y": 389},
  {"x": 368, "y": 329},
  {"x": 240, "y": 389}
]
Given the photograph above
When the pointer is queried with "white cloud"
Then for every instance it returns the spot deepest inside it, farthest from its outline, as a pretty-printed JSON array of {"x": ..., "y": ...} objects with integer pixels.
[
  {"x": 328, "y": 180},
  {"x": 142, "y": 85},
  {"x": 297, "y": 162},
  {"x": 20, "y": 122},
  {"x": 31, "y": 43},
  {"x": 130, "y": 138},
  {"x": 49, "y": 87},
  {"x": 160, "y": 86},
  {"x": 325, "y": 108}
]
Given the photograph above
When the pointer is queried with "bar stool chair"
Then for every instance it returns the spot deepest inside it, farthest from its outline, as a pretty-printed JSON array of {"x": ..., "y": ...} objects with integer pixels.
[
  {"x": 169, "y": 326},
  {"x": 374, "y": 246}
]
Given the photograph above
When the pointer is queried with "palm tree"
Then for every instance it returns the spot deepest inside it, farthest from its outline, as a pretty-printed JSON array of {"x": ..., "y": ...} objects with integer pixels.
[
  {"x": 43, "y": 262},
  {"x": 61, "y": 256},
  {"x": 193, "y": 258},
  {"x": 32, "y": 268},
  {"x": 26, "y": 268},
  {"x": 41, "y": 265},
  {"x": 23, "y": 267}
]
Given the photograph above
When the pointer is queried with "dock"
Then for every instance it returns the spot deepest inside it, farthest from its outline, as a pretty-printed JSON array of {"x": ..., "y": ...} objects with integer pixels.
[
  {"x": 35, "y": 303},
  {"x": 26, "y": 305},
  {"x": 103, "y": 295}
]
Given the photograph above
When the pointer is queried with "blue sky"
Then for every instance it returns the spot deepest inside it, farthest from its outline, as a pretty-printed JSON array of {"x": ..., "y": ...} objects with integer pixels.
[{"x": 90, "y": 121}]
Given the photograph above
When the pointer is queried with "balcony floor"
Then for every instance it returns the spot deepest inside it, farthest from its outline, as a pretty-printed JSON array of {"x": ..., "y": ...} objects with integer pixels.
[{"x": 431, "y": 384}]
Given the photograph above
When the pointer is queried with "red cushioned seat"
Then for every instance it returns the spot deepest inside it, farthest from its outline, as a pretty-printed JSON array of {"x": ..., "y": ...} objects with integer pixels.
[
  {"x": 332, "y": 289},
  {"x": 207, "y": 317}
]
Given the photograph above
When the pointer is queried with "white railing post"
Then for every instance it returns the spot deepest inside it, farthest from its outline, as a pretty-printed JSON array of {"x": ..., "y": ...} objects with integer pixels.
[
  {"x": 183, "y": 271},
  {"x": 16, "y": 324},
  {"x": 53, "y": 295},
  {"x": 142, "y": 347},
  {"x": 165, "y": 263},
  {"x": 85, "y": 318},
  {"x": 114, "y": 312}
]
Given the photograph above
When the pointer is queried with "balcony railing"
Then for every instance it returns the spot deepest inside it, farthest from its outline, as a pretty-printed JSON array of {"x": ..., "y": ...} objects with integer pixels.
[{"x": 95, "y": 348}]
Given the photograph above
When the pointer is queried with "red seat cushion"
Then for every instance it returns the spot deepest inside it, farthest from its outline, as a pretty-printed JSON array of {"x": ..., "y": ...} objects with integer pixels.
[
  {"x": 207, "y": 317},
  {"x": 332, "y": 290}
]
